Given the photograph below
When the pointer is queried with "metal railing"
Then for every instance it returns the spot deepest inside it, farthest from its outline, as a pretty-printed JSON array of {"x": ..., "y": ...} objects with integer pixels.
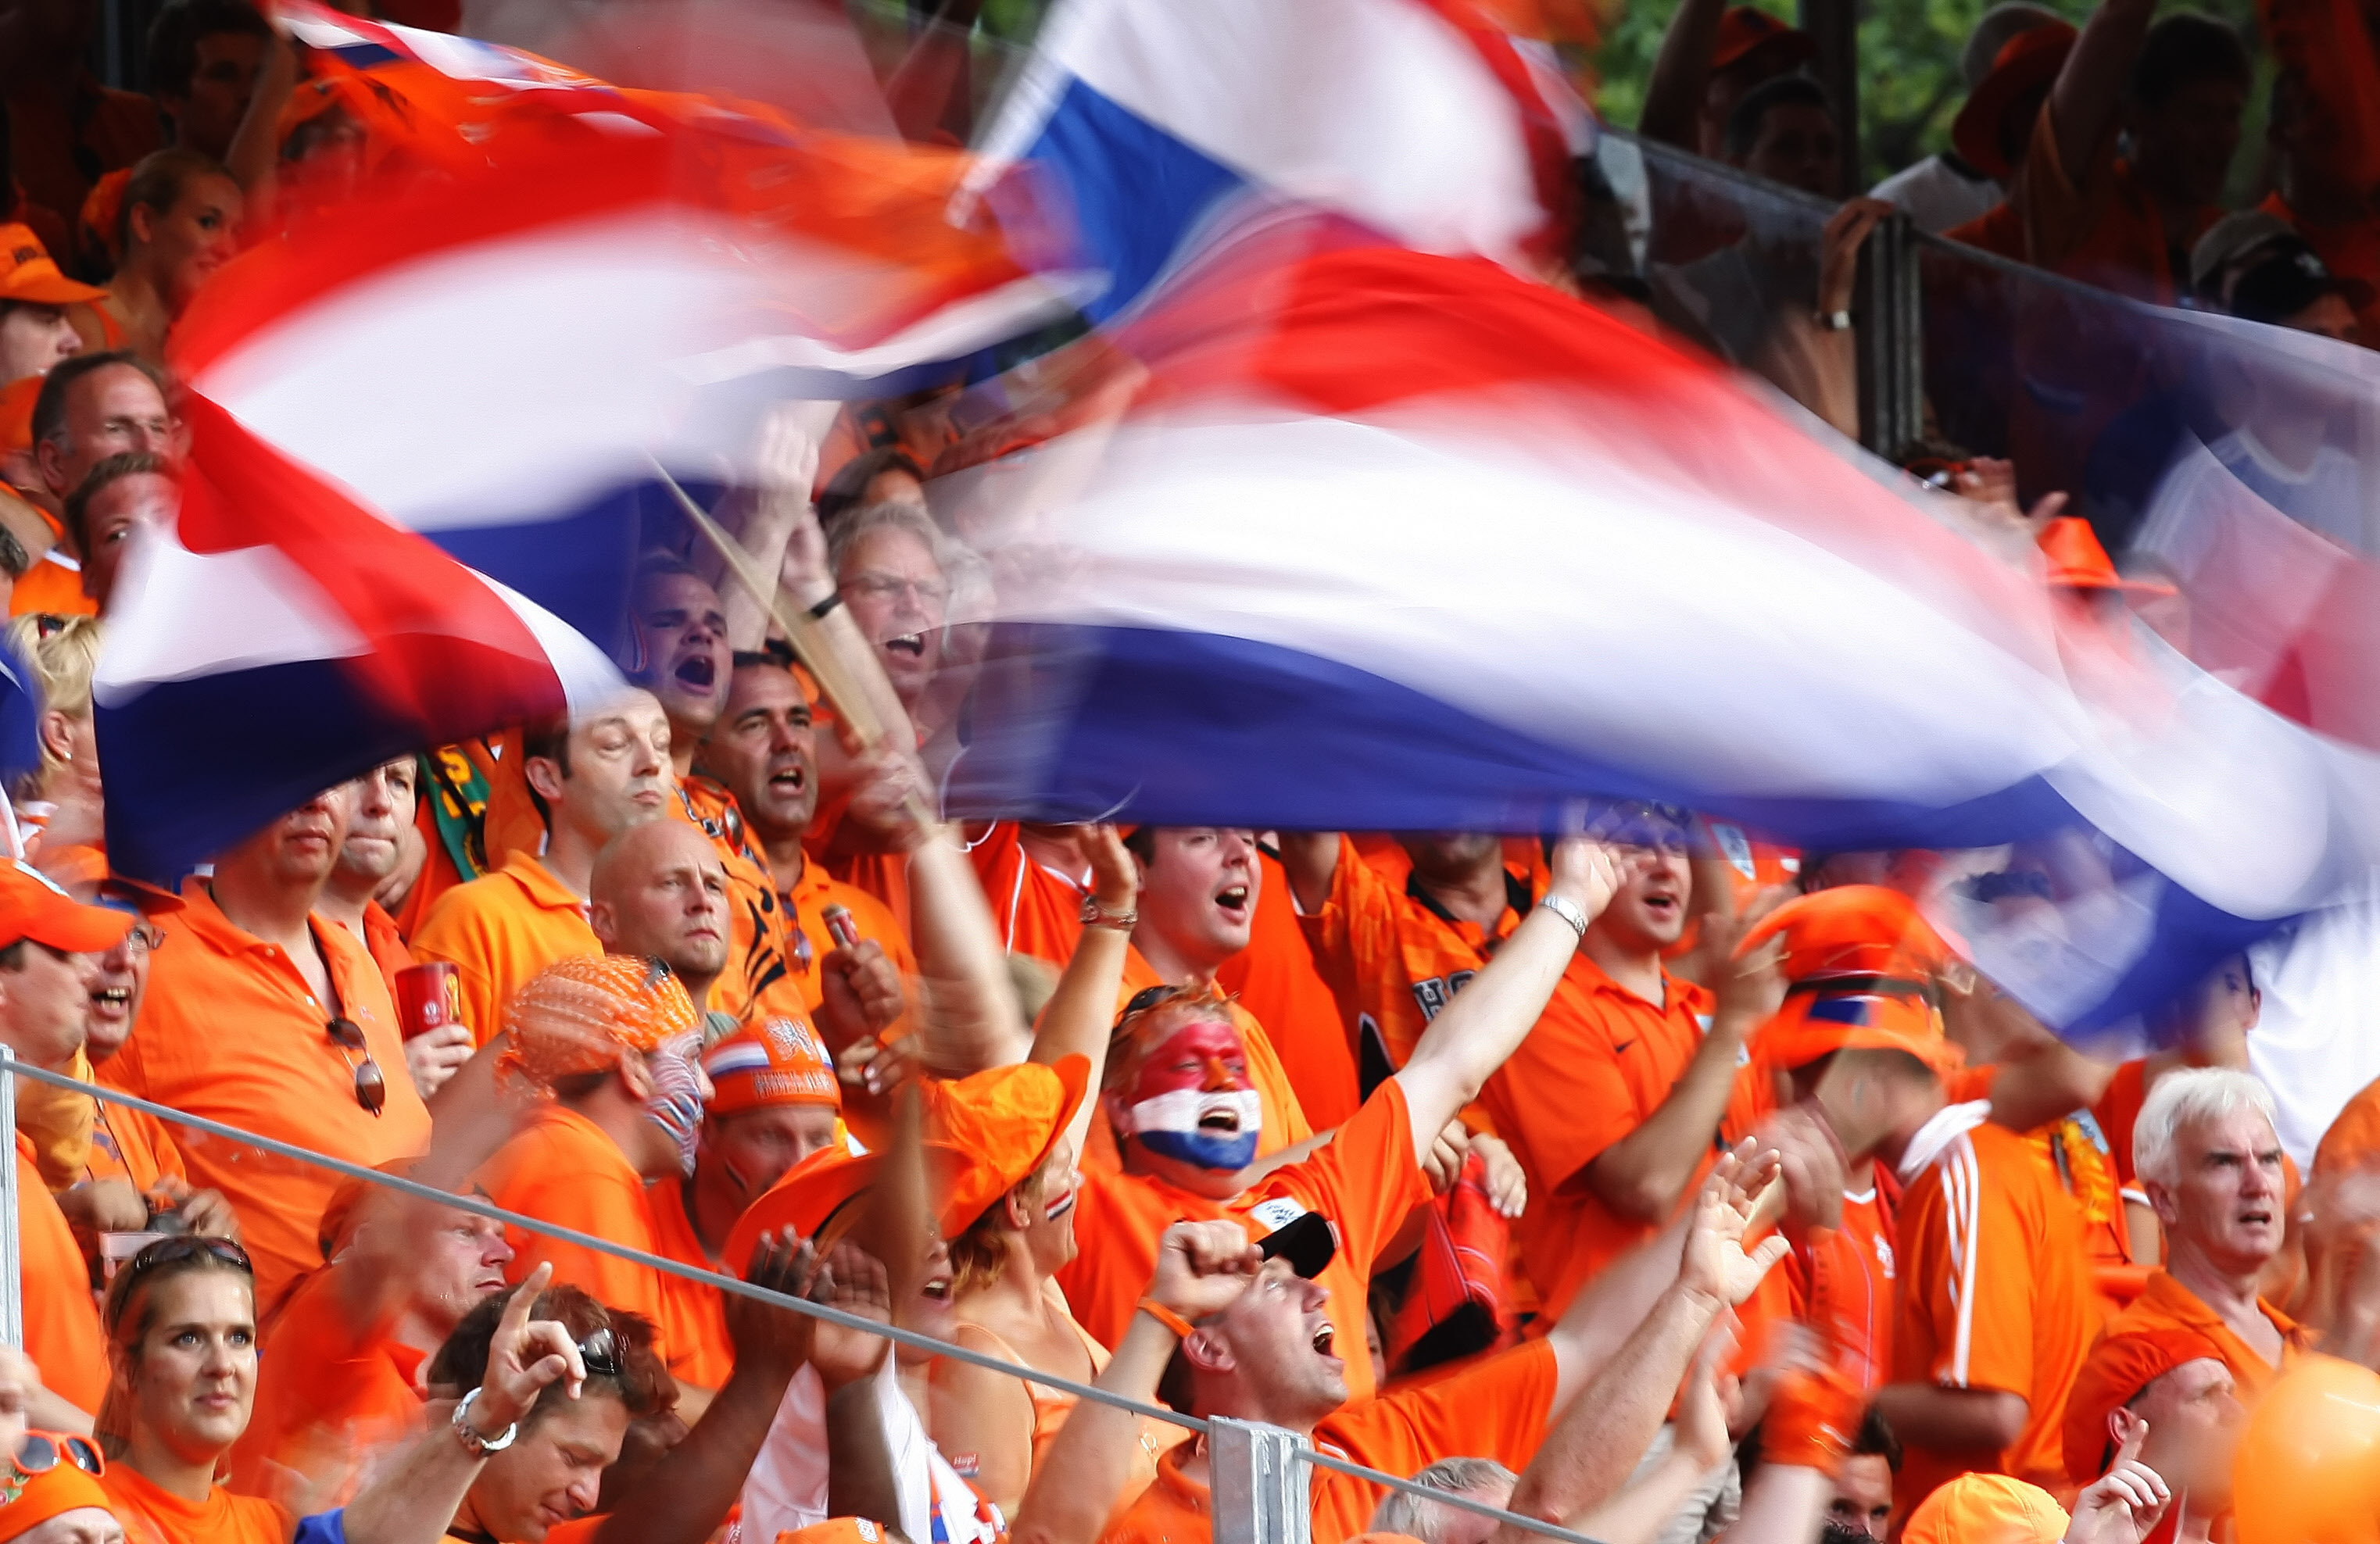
[{"x": 1259, "y": 1476}]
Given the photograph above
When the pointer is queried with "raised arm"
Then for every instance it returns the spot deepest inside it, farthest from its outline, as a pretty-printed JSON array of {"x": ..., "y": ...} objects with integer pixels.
[
  {"x": 1312, "y": 860},
  {"x": 2089, "y": 88},
  {"x": 786, "y": 460},
  {"x": 1081, "y": 1012},
  {"x": 1487, "y": 1019},
  {"x": 1674, "y": 97}
]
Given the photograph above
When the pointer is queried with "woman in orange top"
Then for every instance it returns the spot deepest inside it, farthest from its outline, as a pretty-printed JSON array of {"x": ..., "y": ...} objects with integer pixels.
[
  {"x": 181, "y": 216},
  {"x": 181, "y": 1335},
  {"x": 1021, "y": 1128}
]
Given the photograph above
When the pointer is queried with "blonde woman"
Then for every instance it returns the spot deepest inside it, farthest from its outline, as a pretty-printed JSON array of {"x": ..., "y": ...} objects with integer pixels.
[{"x": 63, "y": 799}]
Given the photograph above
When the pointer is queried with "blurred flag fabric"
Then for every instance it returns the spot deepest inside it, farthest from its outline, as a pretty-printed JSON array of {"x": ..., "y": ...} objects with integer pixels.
[
  {"x": 1418, "y": 120},
  {"x": 1396, "y": 541}
]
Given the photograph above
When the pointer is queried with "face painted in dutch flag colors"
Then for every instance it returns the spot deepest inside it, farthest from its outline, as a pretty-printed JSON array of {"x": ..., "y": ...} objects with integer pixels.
[{"x": 1192, "y": 1101}]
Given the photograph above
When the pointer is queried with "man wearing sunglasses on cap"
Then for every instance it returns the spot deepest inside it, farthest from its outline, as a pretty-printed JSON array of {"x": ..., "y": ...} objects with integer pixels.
[
  {"x": 48, "y": 942},
  {"x": 265, "y": 1017}
]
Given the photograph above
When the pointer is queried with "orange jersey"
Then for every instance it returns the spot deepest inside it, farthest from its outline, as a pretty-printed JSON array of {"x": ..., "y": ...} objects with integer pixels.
[
  {"x": 2164, "y": 1303},
  {"x": 330, "y": 1395},
  {"x": 804, "y": 908},
  {"x": 1401, "y": 956},
  {"x": 1494, "y": 1408},
  {"x": 1037, "y": 909},
  {"x": 2118, "y": 1112},
  {"x": 1840, "y": 1282},
  {"x": 759, "y": 977},
  {"x": 387, "y": 945},
  {"x": 151, "y": 1515},
  {"x": 1366, "y": 1181},
  {"x": 563, "y": 1168},
  {"x": 62, "y": 1329},
  {"x": 2354, "y": 1134},
  {"x": 696, "y": 1323},
  {"x": 1994, "y": 1291},
  {"x": 1600, "y": 1062},
  {"x": 499, "y": 930},
  {"x": 232, "y": 1031},
  {"x": 52, "y": 585},
  {"x": 1276, "y": 977},
  {"x": 2076, "y": 1153}
]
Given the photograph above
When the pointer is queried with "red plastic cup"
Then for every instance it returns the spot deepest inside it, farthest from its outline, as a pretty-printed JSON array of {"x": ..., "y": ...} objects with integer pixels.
[
  {"x": 839, "y": 923},
  {"x": 428, "y": 997}
]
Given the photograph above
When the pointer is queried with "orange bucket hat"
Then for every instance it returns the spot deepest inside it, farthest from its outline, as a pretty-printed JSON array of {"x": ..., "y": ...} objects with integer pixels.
[{"x": 1005, "y": 1120}]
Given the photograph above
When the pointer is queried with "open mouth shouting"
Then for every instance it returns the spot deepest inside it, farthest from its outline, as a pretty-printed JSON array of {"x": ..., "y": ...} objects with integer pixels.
[
  {"x": 1324, "y": 1336},
  {"x": 911, "y": 644},
  {"x": 1213, "y": 1129},
  {"x": 696, "y": 673}
]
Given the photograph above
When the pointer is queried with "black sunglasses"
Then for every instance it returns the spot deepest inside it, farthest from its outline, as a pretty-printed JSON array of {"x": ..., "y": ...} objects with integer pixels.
[
  {"x": 371, "y": 1088},
  {"x": 167, "y": 1251},
  {"x": 601, "y": 1352},
  {"x": 1146, "y": 998}
]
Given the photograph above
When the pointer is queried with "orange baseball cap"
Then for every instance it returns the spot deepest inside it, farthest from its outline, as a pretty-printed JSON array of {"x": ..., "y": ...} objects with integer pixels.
[
  {"x": 1853, "y": 930},
  {"x": 814, "y": 1190},
  {"x": 780, "y": 1062},
  {"x": 28, "y": 273},
  {"x": 2027, "y": 60},
  {"x": 836, "y": 1530},
  {"x": 1005, "y": 1120},
  {"x": 2077, "y": 561},
  {"x": 32, "y": 906},
  {"x": 2120, "y": 1367},
  {"x": 1745, "y": 29},
  {"x": 53, "y": 1493},
  {"x": 1811, "y": 1026},
  {"x": 1987, "y": 1509}
]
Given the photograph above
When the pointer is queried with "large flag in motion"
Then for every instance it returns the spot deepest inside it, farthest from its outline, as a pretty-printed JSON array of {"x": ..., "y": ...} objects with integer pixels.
[{"x": 1398, "y": 541}]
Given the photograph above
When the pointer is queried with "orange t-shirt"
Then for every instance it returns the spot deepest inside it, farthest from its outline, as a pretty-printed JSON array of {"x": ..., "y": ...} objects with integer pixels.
[
  {"x": 54, "y": 585},
  {"x": 1366, "y": 1181},
  {"x": 696, "y": 1323},
  {"x": 1599, "y": 1063},
  {"x": 386, "y": 943},
  {"x": 151, "y": 1515},
  {"x": 134, "y": 1146},
  {"x": 758, "y": 978},
  {"x": 2354, "y": 1134},
  {"x": 499, "y": 930},
  {"x": 1495, "y": 1408},
  {"x": 1284, "y": 1118},
  {"x": 1276, "y": 977},
  {"x": 1401, "y": 959},
  {"x": 230, "y": 1030},
  {"x": 563, "y": 1168},
  {"x": 1994, "y": 1292},
  {"x": 61, "y": 1330},
  {"x": 811, "y": 943},
  {"x": 1038, "y": 911},
  {"x": 330, "y": 1395}
]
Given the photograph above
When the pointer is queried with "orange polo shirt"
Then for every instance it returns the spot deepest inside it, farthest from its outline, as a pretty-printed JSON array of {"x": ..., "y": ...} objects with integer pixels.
[
  {"x": 386, "y": 943},
  {"x": 134, "y": 1146},
  {"x": 1600, "y": 1062},
  {"x": 696, "y": 1325},
  {"x": 804, "y": 908},
  {"x": 330, "y": 1395},
  {"x": 563, "y": 1168},
  {"x": 1494, "y": 1408},
  {"x": 1366, "y": 1181},
  {"x": 1993, "y": 1293},
  {"x": 2164, "y": 1303},
  {"x": 230, "y": 1030},
  {"x": 62, "y": 1329},
  {"x": 1038, "y": 911},
  {"x": 151, "y": 1515},
  {"x": 499, "y": 930},
  {"x": 1284, "y": 1118},
  {"x": 1279, "y": 980}
]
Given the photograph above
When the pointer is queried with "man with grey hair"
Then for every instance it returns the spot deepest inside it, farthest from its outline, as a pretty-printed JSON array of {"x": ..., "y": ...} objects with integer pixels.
[
  {"x": 1477, "y": 1480},
  {"x": 2205, "y": 1150}
]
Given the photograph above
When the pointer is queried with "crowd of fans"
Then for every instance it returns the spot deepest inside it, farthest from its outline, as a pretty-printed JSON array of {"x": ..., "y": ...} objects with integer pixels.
[{"x": 1657, "y": 1181}]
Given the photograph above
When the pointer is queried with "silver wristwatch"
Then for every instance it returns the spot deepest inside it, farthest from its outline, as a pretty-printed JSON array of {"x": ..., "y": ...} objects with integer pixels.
[
  {"x": 1568, "y": 911},
  {"x": 468, "y": 1435}
]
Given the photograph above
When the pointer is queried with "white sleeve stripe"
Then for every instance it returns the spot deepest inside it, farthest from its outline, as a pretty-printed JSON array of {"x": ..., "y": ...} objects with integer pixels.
[{"x": 1964, "y": 1163}]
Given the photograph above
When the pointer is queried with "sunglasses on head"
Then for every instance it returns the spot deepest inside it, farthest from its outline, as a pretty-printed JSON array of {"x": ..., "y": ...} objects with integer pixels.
[
  {"x": 167, "y": 1251},
  {"x": 40, "y": 1451},
  {"x": 601, "y": 1352},
  {"x": 1143, "y": 1000},
  {"x": 371, "y": 1088}
]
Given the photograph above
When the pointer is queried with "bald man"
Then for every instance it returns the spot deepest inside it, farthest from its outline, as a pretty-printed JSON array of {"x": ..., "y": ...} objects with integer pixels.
[{"x": 660, "y": 891}]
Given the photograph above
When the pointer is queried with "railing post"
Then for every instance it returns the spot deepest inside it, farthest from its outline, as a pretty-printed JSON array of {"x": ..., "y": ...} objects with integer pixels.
[
  {"x": 1259, "y": 1485},
  {"x": 12, "y": 1261},
  {"x": 1891, "y": 338}
]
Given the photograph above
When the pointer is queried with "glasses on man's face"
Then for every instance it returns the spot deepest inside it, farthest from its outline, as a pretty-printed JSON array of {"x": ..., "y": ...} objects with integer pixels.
[
  {"x": 371, "y": 1088},
  {"x": 601, "y": 1352},
  {"x": 885, "y": 587},
  {"x": 146, "y": 938}
]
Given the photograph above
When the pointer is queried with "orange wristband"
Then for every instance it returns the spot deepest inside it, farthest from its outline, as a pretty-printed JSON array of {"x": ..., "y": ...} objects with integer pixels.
[{"x": 1167, "y": 1317}]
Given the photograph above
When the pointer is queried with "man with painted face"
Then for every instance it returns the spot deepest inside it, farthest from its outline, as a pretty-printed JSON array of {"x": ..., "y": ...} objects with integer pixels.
[
  {"x": 607, "y": 1047},
  {"x": 1188, "y": 1116}
]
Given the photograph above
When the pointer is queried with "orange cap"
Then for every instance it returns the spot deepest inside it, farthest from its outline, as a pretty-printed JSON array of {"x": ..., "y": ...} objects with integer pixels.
[
  {"x": 32, "y": 906},
  {"x": 836, "y": 1530},
  {"x": 1005, "y": 1120},
  {"x": 815, "y": 1189},
  {"x": 2077, "y": 561},
  {"x": 28, "y": 273},
  {"x": 1811, "y": 1026},
  {"x": 1744, "y": 28},
  {"x": 2030, "y": 59},
  {"x": 50, "y": 1493},
  {"x": 1853, "y": 930},
  {"x": 2119, "y": 1368},
  {"x": 577, "y": 1015},
  {"x": 781, "y": 1062},
  {"x": 1987, "y": 1509}
]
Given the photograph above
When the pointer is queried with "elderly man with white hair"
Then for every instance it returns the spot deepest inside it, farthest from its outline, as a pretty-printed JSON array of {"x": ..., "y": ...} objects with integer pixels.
[{"x": 2207, "y": 1154}]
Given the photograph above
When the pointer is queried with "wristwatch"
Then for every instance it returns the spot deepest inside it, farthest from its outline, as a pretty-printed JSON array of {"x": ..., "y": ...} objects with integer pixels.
[
  {"x": 1096, "y": 915},
  {"x": 468, "y": 1435}
]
